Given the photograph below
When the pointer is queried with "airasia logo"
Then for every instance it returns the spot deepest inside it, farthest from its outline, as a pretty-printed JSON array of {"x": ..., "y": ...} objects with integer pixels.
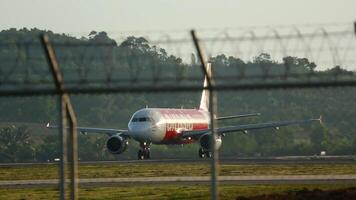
[
  {"x": 181, "y": 114},
  {"x": 177, "y": 126}
]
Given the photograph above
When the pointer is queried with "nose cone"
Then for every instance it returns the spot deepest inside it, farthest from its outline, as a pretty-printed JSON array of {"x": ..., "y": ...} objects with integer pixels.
[{"x": 140, "y": 131}]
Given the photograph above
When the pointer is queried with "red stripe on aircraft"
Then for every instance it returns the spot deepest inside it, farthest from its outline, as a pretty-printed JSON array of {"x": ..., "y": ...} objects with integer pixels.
[
  {"x": 200, "y": 126},
  {"x": 171, "y": 136}
]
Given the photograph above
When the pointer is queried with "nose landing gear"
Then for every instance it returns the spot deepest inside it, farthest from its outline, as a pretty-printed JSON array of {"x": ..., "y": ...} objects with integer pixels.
[
  {"x": 204, "y": 153},
  {"x": 144, "y": 153}
]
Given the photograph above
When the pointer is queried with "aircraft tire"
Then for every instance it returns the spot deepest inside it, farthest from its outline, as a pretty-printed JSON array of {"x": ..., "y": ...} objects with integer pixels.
[
  {"x": 201, "y": 153},
  {"x": 147, "y": 154},
  {"x": 140, "y": 155}
]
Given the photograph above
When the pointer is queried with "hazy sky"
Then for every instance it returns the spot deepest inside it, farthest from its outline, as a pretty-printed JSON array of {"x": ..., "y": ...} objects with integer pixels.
[{"x": 82, "y": 16}]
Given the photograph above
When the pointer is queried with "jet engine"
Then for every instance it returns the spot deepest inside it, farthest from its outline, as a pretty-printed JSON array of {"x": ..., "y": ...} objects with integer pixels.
[
  {"x": 205, "y": 142},
  {"x": 116, "y": 144}
]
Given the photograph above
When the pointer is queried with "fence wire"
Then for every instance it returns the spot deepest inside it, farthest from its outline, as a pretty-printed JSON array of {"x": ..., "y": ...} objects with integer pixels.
[
  {"x": 253, "y": 56},
  {"x": 242, "y": 59}
]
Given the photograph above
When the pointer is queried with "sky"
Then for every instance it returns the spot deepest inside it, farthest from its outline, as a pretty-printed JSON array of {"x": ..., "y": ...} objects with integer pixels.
[{"x": 82, "y": 16}]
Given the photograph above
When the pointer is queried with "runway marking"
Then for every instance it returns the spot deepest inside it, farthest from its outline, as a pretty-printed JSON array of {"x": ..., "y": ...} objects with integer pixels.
[
  {"x": 247, "y": 160},
  {"x": 290, "y": 179}
]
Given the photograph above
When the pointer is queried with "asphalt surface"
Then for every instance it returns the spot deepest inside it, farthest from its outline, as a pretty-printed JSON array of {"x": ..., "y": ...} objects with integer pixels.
[
  {"x": 240, "y": 180},
  {"x": 232, "y": 160}
]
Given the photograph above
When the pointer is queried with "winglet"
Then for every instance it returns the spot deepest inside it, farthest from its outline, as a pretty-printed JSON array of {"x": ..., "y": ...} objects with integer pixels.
[{"x": 321, "y": 119}]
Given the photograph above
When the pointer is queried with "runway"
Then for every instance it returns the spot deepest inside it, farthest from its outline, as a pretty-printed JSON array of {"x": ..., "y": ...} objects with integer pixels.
[
  {"x": 224, "y": 160},
  {"x": 239, "y": 180}
]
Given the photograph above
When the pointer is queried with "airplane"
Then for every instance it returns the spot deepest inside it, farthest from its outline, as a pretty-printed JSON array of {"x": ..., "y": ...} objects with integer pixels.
[{"x": 171, "y": 126}]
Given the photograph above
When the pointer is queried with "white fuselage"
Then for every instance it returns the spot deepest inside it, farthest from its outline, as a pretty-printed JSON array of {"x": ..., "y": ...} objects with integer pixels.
[{"x": 164, "y": 126}]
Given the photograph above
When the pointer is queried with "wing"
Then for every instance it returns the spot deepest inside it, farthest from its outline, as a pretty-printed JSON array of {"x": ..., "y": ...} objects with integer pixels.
[
  {"x": 85, "y": 130},
  {"x": 275, "y": 125},
  {"x": 246, "y": 127}
]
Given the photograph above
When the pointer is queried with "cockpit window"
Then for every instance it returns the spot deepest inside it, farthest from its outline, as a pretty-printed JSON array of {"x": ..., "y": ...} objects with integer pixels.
[
  {"x": 144, "y": 119},
  {"x": 141, "y": 119}
]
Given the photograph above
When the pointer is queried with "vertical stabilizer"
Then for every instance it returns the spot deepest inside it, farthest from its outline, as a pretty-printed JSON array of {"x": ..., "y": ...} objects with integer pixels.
[{"x": 204, "y": 101}]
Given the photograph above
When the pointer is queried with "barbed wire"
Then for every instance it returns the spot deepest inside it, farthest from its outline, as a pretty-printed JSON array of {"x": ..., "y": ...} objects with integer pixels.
[{"x": 247, "y": 55}]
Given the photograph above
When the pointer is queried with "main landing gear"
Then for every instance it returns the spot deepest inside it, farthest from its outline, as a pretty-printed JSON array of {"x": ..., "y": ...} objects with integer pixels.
[
  {"x": 144, "y": 153},
  {"x": 204, "y": 153}
]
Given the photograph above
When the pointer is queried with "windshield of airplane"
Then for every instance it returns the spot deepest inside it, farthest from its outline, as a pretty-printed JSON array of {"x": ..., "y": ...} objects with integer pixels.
[{"x": 141, "y": 119}]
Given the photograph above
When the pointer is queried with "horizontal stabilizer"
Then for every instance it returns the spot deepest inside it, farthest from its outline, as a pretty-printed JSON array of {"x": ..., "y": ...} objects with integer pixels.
[{"x": 238, "y": 116}]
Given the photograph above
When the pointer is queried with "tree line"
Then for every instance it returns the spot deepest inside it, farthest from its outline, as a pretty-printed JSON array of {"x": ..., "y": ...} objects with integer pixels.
[{"x": 32, "y": 142}]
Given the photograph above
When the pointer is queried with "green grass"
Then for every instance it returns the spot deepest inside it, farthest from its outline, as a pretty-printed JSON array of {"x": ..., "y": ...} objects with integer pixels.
[
  {"x": 170, "y": 191},
  {"x": 156, "y": 192},
  {"x": 181, "y": 169}
]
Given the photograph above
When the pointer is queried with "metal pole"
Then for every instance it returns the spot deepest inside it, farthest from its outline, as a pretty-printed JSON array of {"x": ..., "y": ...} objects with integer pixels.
[
  {"x": 66, "y": 112},
  {"x": 201, "y": 57},
  {"x": 213, "y": 125},
  {"x": 53, "y": 63},
  {"x": 63, "y": 145},
  {"x": 74, "y": 148}
]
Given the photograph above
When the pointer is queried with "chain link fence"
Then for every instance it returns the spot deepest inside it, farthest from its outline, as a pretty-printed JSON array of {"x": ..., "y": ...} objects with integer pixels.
[{"x": 123, "y": 72}]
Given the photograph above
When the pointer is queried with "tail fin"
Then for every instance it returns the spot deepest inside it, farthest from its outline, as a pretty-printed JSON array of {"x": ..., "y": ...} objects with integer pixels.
[{"x": 204, "y": 101}]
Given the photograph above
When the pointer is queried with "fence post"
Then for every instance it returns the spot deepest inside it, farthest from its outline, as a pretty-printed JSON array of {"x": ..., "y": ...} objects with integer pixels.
[
  {"x": 66, "y": 113},
  {"x": 213, "y": 111}
]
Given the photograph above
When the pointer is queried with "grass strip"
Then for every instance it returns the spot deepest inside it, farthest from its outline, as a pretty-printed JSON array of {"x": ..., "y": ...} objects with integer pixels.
[{"x": 169, "y": 169}]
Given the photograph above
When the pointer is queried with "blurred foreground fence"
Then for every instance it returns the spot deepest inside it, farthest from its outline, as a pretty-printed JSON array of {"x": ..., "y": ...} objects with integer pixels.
[{"x": 242, "y": 59}]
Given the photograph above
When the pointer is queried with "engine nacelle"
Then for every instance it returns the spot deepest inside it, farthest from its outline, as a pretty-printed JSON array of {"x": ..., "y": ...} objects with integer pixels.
[
  {"x": 116, "y": 144},
  {"x": 205, "y": 142}
]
